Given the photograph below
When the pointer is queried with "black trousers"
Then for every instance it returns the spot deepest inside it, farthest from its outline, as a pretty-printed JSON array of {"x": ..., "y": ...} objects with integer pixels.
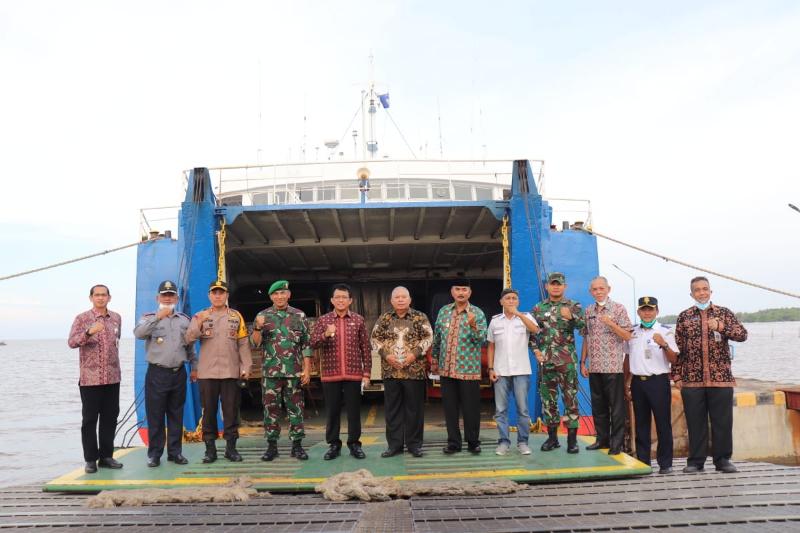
[
  {"x": 462, "y": 397},
  {"x": 608, "y": 408},
  {"x": 99, "y": 402},
  {"x": 164, "y": 395},
  {"x": 403, "y": 406},
  {"x": 700, "y": 404},
  {"x": 211, "y": 392},
  {"x": 336, "y": 393},
  {"x": 653, "y": 396}
]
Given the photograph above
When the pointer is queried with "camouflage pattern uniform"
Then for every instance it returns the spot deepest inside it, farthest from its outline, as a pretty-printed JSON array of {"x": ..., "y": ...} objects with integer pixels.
[
  {"x": 556, "y": 341},
  {"x": 285, "y": 340}
]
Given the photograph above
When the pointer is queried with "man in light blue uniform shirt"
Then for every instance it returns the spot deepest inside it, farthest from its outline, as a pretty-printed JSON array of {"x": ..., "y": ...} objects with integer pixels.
[
  {"x": 510, "y": 368},
  {"x": 651, "y": 349}
]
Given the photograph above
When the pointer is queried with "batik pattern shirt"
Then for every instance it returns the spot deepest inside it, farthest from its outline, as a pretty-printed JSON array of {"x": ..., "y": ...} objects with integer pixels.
[
  {"x": 556, "y": 338},
  {"x": 99, "y": 353},
  {"x": 285, "y": 340},
  {"x": 606, "y": 349},
  {"x": 393, "y": 335},
  {"x": 456, "y": 345},
  {"x": 705, "y": 358},
  {"x": 347, "y": 356}
]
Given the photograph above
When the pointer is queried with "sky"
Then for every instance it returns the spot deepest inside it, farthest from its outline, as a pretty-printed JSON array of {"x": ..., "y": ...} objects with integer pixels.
[{"x": 676, "y": 119}]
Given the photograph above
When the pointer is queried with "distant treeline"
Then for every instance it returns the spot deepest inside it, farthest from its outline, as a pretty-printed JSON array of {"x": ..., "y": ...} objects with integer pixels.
[{"x": 783, "y": 314}]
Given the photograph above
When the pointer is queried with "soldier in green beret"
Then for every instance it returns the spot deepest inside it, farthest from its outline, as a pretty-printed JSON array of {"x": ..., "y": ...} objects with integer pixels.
[{"x": 281, "y": 331}]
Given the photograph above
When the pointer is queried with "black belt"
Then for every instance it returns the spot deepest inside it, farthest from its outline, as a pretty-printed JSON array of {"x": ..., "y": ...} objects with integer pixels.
[
  {"x": 175, "y": 369},
  {"x": 645, "y": 378}
]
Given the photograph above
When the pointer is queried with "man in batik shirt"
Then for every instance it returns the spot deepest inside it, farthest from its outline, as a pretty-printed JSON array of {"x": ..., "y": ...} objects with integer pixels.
[
  {"x": 458, "y": 336},
  {"x": 402, "y": 337},
  {"x": 554, "y": 347}
]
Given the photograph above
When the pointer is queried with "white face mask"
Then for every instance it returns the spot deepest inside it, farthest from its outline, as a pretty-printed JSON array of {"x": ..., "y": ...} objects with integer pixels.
[
  {"x": 166, "y": 306},
  {"x": 603, "y": 303},
  {"x": 702, "y": 306}
]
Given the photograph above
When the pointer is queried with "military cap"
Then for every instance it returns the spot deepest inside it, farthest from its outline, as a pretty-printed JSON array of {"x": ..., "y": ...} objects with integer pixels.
[
  {"x": 556, "y": 277},
  {"x": 167, "y": 287},
  {"x": 279, "y": 285},
  {"x": 460, "y": 282},
  {"x": 218, "y": 284},
  {"x": 509, "y": 290},
  {"x": 647, "y": 301}
]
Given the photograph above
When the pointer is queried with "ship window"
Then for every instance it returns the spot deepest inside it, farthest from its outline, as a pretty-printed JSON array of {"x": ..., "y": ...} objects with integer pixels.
[
  {"x": 482, "y": 193},
  {"x": 394, "y": 191},
  {"x": 327, "y": 193},
  {"x": 440, "y": 192},
  {"x": 462, "y": 192},
  {"x": 305, "y": 195},
  {"x": 418, "y": 192}
]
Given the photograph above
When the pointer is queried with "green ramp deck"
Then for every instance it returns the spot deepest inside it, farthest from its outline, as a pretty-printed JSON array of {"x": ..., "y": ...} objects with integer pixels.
[{"x": 289, "y": 474}]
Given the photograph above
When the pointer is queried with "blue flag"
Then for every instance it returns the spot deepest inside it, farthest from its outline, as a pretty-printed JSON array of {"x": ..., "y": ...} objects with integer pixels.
[{"x": 384, "y": 98}]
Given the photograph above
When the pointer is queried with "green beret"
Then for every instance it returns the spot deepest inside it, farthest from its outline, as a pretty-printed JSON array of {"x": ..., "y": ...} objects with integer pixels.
[{"x": 279, "y": 285}]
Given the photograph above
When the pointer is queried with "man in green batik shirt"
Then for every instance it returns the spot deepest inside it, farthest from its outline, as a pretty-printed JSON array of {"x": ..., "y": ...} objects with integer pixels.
[
  {"x": 282, "y": 333},
  {"x": 554, "y": 347}
]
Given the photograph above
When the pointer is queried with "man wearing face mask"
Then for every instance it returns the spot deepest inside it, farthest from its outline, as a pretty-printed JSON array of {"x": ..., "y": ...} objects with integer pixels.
[
  {"x": 164, "y": 334},
  {"x": 608, "y": 328},
  {"x": 651, "y": 349},
  {"x": 703, "y": 375}
]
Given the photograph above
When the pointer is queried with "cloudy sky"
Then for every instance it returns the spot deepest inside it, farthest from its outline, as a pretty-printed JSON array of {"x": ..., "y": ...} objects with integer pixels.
[{"x": 677, "y": 120}]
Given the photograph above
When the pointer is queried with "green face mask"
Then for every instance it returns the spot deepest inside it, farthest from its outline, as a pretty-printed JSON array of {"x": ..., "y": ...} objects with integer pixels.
[{"x": 647, "y": 325}]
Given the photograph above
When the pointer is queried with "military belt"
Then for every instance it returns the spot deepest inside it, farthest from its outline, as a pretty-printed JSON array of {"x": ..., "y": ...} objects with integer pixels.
[
  {"x": 175, "y": 369},
  {"x": 645, "y": 378}
]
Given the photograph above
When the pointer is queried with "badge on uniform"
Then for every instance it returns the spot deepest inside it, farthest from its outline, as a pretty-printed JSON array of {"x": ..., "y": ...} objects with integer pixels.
[
  {"x": 159, "y": 340},
  {"x": 208, "y": 332}
]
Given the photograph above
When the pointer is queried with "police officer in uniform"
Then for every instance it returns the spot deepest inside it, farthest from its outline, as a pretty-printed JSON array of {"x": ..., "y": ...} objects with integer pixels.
[
  {"x": 554, "y": 347},
  {"x": 282, "y": 332},
  {"x": 224, "y": 360},
  {"x": 650, "y": 352},
  {"x": 164, "y": 335}
]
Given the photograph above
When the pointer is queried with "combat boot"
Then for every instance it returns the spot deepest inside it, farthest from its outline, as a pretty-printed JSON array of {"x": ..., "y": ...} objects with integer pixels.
[
  {"x": 572, "y": 440},
  {"x": 552, "y": 439},
  {"x": 272, "y": 451},
  {"x": 298, "y": 451},
  {"x": 211, "y": 452},
  {"x": 230, "y": 451}
]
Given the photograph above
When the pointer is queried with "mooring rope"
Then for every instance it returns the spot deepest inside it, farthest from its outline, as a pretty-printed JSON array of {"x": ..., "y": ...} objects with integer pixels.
[{"x": 695, "y": 267}]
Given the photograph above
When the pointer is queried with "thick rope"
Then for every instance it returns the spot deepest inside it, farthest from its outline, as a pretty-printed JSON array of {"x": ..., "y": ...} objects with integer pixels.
[
  {"x": 62, "y": 263},
  {"x": 695, "y": 267}
]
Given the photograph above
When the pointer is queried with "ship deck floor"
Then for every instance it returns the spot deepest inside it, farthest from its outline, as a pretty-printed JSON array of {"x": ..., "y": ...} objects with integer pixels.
[{"x": 761, "y": 497}]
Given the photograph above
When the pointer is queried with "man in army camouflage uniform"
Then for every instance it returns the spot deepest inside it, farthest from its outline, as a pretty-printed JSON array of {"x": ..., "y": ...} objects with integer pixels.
[
  {"x": 281, "y": 331},
  {"x": 554, "y": 347}
]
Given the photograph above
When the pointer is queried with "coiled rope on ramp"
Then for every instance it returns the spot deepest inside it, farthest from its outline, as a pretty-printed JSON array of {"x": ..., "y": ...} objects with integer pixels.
[
  {"x": 69, "y": 261},
  {"x": 689, "y": 265}
]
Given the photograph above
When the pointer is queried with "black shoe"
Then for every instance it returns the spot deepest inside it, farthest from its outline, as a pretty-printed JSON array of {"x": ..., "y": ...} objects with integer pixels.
[
  {"x": 109, "y": 462},
  {"x": 572, "y": 440},
  {"x": 726, "y": 467},
  {"x": 333, "y": 452},
  {"x": 474, "y": 449},
  {"x": 596, "y": 445},
  {"x": 552, "y": 439},
  {"x": 272, "y": 451},
  {"x": 297, "y": 450},
  {"x": 692, "y": 469},
  {"x": 91, "y": 467},
  {"x": 178, "y": 459},
  {"x": 614, "y": 451},
  {"x": 211, "y": 452},
  {"x": 416, "y": 452},
  {"x": 665, "y": 470},
  {"x": 153, "y": 462},
  {"x": 450, "y": 450},
  {"x": 391, "y": 453},
  {"x": 356, "y": 451},
  {"x": 230, "y": 451}
]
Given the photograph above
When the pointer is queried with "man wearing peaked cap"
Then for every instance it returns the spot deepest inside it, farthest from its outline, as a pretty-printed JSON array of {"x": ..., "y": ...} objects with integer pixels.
[
  {"x": 651, "y": 349},
  {"x": 224, "y": 359},
  {"x": 164, "y": 333}
]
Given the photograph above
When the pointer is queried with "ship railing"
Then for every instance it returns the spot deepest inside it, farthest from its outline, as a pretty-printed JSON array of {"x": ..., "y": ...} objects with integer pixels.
[
  {"x": 158, "y": 221},
  {"x": 388, "y": 180},
  {"x": 570, "y": 213}
]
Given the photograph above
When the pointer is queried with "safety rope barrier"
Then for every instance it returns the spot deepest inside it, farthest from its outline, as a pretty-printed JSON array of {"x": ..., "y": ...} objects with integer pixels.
[{"x": 695, "y": 267}]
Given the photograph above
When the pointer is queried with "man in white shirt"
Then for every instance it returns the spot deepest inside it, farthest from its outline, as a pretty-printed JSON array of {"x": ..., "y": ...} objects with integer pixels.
[
  {"x": 510, "y": 368},
  {"x": 647, "y": 367}
]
